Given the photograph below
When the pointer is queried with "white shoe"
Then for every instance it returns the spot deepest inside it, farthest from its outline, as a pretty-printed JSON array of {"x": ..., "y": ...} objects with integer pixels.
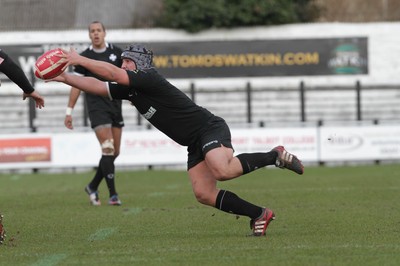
[{"x": 93, "y": 196}]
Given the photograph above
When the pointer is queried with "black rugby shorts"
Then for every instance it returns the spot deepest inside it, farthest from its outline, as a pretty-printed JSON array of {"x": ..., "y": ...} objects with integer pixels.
[
  {"x": 104, "y": 117},
  {"x": 216, "y": 134}
]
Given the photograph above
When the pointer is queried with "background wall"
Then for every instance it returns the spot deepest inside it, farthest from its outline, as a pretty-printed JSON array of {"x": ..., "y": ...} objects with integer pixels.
[{"x": 382, "y": 38}]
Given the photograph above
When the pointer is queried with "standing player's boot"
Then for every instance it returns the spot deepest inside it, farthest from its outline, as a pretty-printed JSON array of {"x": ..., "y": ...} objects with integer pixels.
[
  {"x": 287, "y": 160},
  {"x": 114, "y": 201},
  {"x": 93, "y": 196},
  {"x": 260, "y": 224}
]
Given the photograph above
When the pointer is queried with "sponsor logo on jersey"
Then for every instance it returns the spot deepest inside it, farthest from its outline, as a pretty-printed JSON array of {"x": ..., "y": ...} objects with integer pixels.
[{"x": 150, "y": 113}]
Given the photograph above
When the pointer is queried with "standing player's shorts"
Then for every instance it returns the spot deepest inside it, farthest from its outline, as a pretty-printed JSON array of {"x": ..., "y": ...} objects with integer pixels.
[
  {"x": 215, "y": 135},
  {"x": 106, "y": 117}
]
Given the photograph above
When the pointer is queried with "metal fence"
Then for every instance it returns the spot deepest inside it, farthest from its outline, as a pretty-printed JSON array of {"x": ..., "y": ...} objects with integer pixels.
[{"x": 242, "y": 107}]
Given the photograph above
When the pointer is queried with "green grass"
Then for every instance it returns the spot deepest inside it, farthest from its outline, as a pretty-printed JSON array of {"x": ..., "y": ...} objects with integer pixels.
[{"x": 328, "y": 216}]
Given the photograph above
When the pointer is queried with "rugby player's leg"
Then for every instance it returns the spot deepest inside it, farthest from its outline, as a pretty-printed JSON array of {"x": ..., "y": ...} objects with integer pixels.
[
  {"x": 104, "y": 135},
  {"x": 204, "y": 182},
  {"x": 204, "y": 185},
  {"x": 116, "y": 135}
]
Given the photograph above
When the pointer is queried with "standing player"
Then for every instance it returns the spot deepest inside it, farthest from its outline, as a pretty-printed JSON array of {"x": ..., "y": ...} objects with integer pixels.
[
  {"x": 210, "y": 151},
  {"x": 105, "y": 115},
  {"x": 16, "y": 75}
]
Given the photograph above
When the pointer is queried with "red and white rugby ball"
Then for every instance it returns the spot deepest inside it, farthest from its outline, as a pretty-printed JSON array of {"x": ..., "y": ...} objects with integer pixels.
[{"x": 49, "y": 65}]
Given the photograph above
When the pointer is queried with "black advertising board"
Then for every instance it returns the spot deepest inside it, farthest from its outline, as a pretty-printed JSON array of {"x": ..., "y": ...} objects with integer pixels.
[
  {"x": 262, "y": 58},
  {"x": 247, "y": 58}
]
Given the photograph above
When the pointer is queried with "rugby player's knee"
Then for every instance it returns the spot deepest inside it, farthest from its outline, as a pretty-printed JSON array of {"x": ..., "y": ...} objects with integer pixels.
[
  {"x": 116, "y": 151},
  {"x": 221, "y": 173},
  {"x": 203, "y": 197},
  {"x": 107, "y": 147}
]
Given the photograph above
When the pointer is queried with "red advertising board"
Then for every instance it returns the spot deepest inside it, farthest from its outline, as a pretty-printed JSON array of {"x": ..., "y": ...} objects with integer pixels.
[{"x": 25, "y": 150}]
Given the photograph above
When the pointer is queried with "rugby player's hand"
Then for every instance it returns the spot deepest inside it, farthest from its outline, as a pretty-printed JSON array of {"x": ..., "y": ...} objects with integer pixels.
[{"x": 39, "y": 101}]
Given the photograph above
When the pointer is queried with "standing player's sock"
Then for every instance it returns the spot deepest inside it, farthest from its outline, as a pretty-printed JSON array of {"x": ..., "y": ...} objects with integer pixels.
[
  {"x": 94, "y": 184},
  {"x": 230, "y": 202},
  {"x": 253, "y": 161},
  {"x": 108, "y": 169}
]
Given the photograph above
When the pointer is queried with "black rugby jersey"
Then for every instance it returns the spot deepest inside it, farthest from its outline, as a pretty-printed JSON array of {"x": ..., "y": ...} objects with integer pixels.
[
  {"x": 163, "y": 105},
  {"x": 112, "y": 55},
  {"x": 14, "y": 72}
]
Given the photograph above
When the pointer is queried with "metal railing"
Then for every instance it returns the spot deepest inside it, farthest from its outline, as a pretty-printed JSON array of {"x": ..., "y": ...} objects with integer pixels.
[{"x": 242, "y": 107}]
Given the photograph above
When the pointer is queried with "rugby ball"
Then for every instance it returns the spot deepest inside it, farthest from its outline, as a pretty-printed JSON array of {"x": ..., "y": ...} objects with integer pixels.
[{"x": 49, "y": 65}]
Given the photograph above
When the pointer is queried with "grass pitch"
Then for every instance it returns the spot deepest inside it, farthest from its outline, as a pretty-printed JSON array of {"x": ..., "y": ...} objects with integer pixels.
[{"x": 328, "y": 216}]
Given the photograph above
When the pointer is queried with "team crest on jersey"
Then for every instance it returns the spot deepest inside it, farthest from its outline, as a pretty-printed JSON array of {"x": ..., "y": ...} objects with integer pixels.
[{"x": 112, "y": 57}]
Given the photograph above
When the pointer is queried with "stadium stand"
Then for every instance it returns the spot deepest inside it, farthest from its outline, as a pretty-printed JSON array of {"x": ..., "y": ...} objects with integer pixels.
[{"x": 267, "y": 106}]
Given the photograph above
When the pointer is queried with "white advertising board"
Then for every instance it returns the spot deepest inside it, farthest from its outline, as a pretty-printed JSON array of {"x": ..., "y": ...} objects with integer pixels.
[
  {"x": 151, "y": 147},
  {"x": 139, "y": 147},
  {"x": 301, "y": 141},
  {"x": 360, "y": 143}
]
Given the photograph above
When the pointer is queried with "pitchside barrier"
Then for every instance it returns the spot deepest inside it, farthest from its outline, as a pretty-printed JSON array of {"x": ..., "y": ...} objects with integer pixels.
[{"x": 313, "y": 144}]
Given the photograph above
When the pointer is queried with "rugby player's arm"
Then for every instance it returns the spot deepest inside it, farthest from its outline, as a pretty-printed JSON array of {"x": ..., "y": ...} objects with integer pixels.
[
  {"x": 102, "y": 69},
  {"x": 86, "y": 84}
]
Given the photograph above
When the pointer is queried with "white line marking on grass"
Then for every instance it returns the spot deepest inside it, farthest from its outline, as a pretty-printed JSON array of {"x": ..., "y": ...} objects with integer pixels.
[
  {"x": 173, "y": 186},
  {"x": 15, "y": 177},
  {"x": 157, "y": 194},
  {"x": 133, "y": 210},
  {"x": 50, "y": 260},
  {"x": 102, "y": 234}
]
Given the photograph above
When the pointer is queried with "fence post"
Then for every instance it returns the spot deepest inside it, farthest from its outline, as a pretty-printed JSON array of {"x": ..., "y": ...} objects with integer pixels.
[
  {"x": 248, "y": 94},
  {"x": 302, "y": 102},
  {"x": 32, "y": 115},
  {"x": 32, "y": 107},
  {"x": 85, "y": 112},
  {"x": 358, "y": 100},
  {"x": 192, "y": 92},
  {"x": 139, "y": 118}
]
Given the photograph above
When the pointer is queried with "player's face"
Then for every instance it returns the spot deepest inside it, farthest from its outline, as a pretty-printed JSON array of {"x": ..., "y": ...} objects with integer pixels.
[
  {"x": 97, "y": 35},
  {"x": 128, "y": 64}
]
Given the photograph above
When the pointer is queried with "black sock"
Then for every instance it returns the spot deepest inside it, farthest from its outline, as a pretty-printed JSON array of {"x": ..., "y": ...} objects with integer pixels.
[
  {"x": 253, "y": 161},
  {"x": 94, "y": 184},
  {"x": 230, "y": 202},
  {"x": 108, "y": 169}
]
